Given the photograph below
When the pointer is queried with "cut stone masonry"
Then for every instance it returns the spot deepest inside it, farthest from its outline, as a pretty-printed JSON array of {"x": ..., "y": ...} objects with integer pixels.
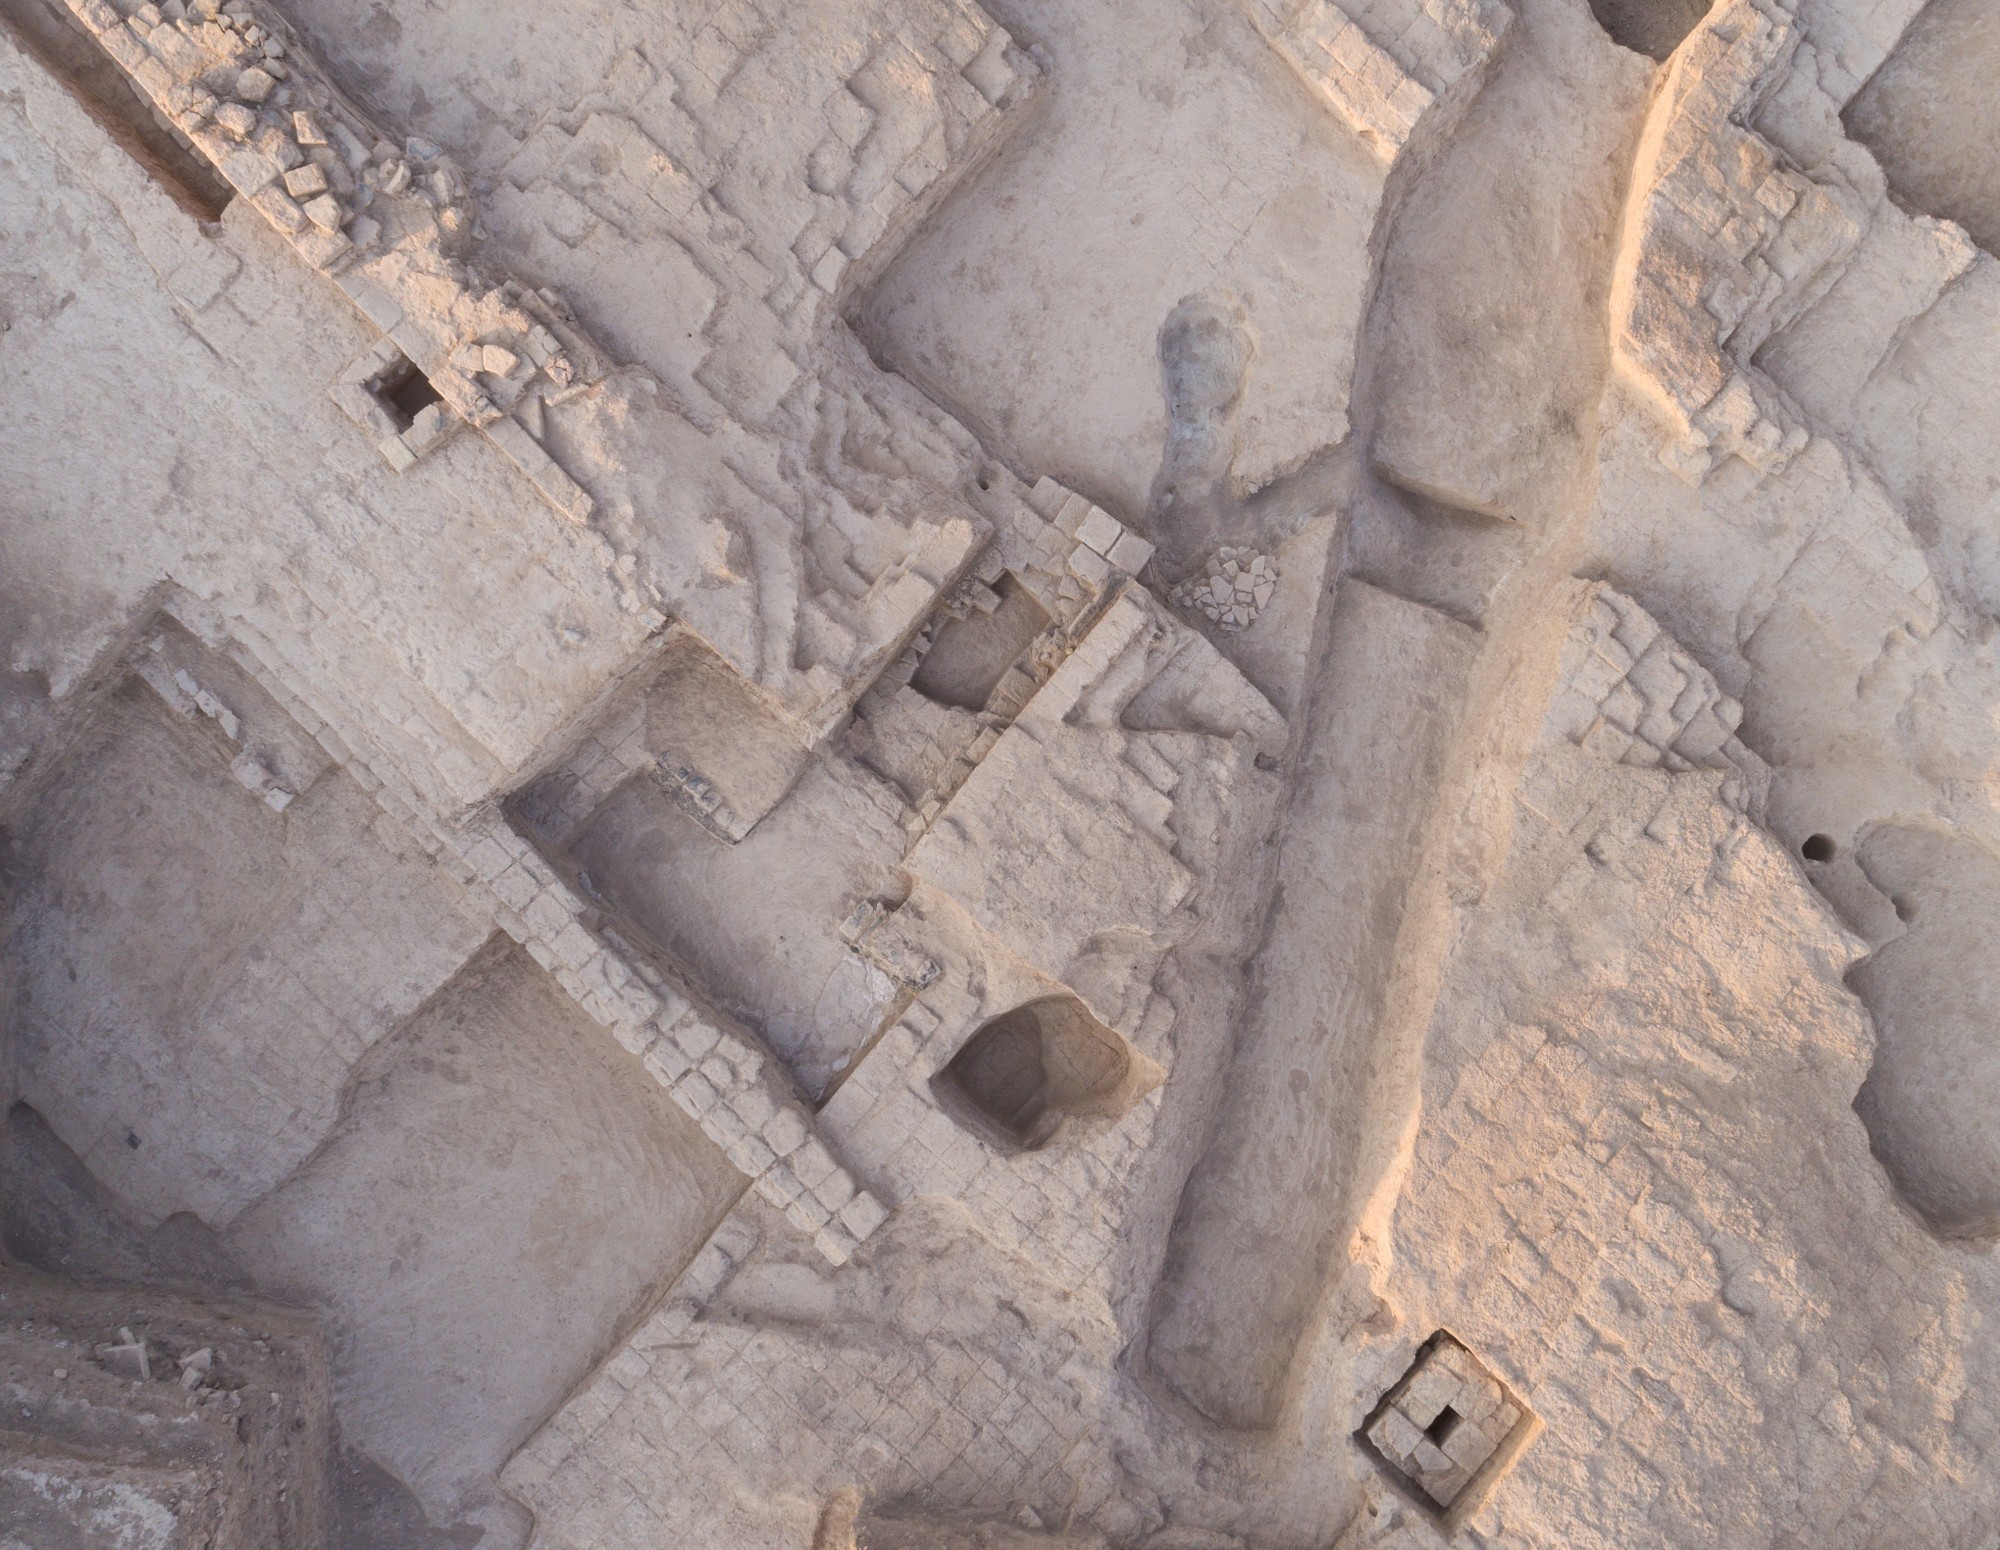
[
  {"x": 1383, "y": 64},
  {"x": 1079, "y": 842},
  {"x": 1057, "y": 1203},
  {"x": 393, "y": 227},
  {"x": 947, "y": 1398},
  {"x": 1629, "y": 693},
  {"x": 1052, "y": 557},
  {"x": 388, "y": 223},
  {"x": 1125, "y": 1064},
  {"x": 1450, "y": 1428},
  {"x": 718, "y": 1076},
  {"x": 1724, "y": 243},
  {"x": 1069, "y": 555}
]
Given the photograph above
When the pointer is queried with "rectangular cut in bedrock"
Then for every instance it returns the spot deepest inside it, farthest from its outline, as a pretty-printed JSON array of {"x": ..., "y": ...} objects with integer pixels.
[{"x": 1271, "y": 1200}]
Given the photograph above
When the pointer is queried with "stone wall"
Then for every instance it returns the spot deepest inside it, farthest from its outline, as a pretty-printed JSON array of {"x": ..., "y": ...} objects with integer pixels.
[
  {"x": 1382, "y": 64},
  {"x": 1723, "y": 242}
]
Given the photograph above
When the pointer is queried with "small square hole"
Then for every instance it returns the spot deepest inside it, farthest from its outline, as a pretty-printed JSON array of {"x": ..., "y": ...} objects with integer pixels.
[
  {"x": 1448, "y": 1430},
  {"x": 404, "y": 392}
]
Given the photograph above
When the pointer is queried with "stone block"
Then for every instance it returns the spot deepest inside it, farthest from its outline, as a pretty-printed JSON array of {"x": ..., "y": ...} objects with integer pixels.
[
  {"x": 250, "y": 171},
  {"x": 807, "y": 1214},
  {"x": 667, "y": 1061},
  {"x": 549, "y": 912},
  {"x": 1099, "y": 531},
  {"x": 862, "y": 1215},
  {"x": 695, "y": 1093},
  {"x": 696, "y": 1036},
  {"x": 835, "y": 1190},
  {"x": 306, "y": 180},
  {"x": 635, "y": 1038},
  {"x": 750, "y": 1155},
  {"x": 1089, "y": 566},
  {"x": 754, "y": 1107},
  {"x": 776, "y": 1188},
  {"x": 785, "y": 1131},
  {"x": 1130, "y": 553},
  {"x": 812, "y": 1163}
]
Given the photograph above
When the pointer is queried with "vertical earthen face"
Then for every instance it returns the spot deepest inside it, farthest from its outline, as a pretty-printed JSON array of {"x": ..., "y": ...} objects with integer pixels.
[
  {"x": 1654, "y": 28},
  {"x": 915, "y": 772},
  {"x": 972, "y": 651},
  {"x": 1917, "y": 116}
]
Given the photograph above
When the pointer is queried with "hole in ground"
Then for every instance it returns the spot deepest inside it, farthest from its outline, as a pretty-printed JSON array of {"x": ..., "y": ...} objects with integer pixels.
[
  {"x": 1927, "y": 116},
  {"x": 1441, "y": 1428},
  {"x": 405, "y": 392},
  {"x": 970, "y": 656},
  {"x": 1654, "y": 28},
  {"x": 1026, "y": 1071},
  {"x": 1818, "y": 847}
]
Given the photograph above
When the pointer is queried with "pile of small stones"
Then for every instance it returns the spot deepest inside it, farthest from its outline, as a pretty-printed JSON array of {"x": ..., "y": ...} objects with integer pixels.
[{"x": 1235, "y": 589}]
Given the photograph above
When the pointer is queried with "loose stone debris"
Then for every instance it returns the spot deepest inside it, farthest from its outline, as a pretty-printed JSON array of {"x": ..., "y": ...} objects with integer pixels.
[{"x": 1234, "y": 590}]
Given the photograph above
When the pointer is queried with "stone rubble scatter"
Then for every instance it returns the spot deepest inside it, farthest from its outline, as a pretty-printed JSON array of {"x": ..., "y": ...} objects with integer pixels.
[{"x": 1237, "y": 587}]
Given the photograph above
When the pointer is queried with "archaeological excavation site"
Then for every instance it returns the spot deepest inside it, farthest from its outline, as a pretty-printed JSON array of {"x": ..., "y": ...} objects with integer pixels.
[{"x": 999, "y": 774}]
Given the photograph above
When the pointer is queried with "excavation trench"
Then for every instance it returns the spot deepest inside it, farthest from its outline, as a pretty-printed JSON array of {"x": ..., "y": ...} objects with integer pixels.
[{"x": 1418, "y": 721}]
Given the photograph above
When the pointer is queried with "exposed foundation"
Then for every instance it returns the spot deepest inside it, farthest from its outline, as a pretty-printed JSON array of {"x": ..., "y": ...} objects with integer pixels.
[{"x": 1199, "y": 775}]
